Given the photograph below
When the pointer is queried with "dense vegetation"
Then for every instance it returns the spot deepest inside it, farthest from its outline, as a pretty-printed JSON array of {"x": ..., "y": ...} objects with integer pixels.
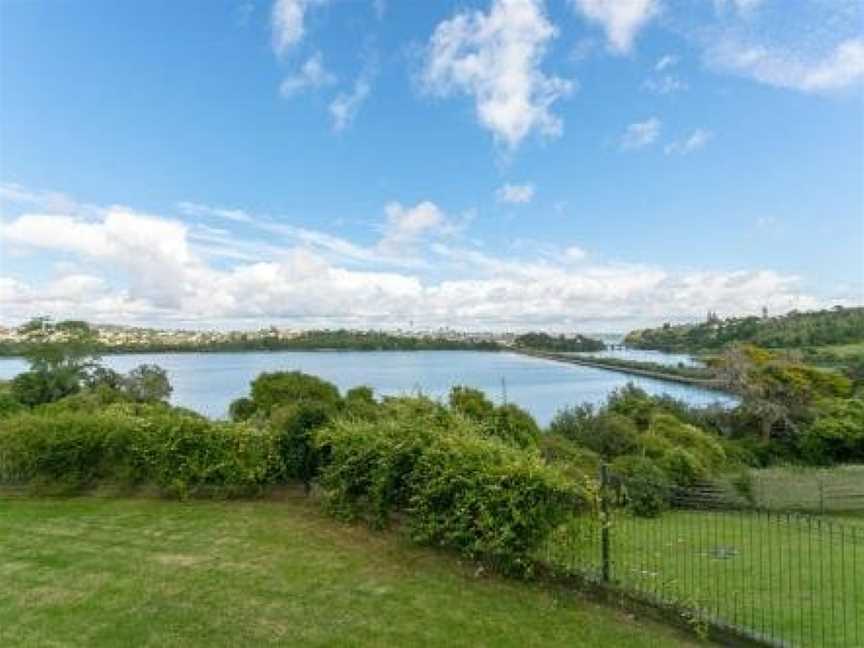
[
  {"x": 793, "y": 330},
  {"x": 467, "y": 474},
  {"x": 559, "y": 343}
]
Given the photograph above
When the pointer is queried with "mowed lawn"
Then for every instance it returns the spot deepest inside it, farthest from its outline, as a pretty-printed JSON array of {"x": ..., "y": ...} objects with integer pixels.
[
  {"x": 146, "y": 572},
  {"x": 792, "y": 578}
]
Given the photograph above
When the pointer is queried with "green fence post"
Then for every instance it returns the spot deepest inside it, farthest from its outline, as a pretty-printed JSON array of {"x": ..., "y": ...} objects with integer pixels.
[{"x": 604, "y": 522}]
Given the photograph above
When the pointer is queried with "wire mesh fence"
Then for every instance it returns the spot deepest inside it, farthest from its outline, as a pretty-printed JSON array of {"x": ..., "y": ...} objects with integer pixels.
[{"x": 782, "y": 578}]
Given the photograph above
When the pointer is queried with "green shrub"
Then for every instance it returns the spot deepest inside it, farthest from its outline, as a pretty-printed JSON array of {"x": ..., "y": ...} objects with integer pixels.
[
  {"x": 457, "y": 486},
  {"x": 179, "y": 453},
  {"x": 369, "y": 463},
  {"x": 147, "y": 383},
  {"x": 37, "y": 387},
  {"x": 702, "y": 445},
  {"x": 682, "y": 467},
  {"x": 9, "y": 405},
  {"x": 360, "y": 403},
  {"x": 574, "y": 460},
  {"x": 285, "y": 387},
  {"x": 241, "y": 409},
  {"x": 644, "y": 487},
  {"x": 487, "y": 500},
  {"x": 836, "y": 433},
  {"x": 574, "y": 423},
  {"x": 653, "y": 446},
  {"x": 515, "y": 426},
  {"x": 634, "y": 403},
  {"x": 471, "y": 403},
  {"x": 294, "y": 425}
]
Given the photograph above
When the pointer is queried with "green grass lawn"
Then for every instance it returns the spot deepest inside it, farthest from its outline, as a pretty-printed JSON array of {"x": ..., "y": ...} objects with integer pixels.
[
  {"x": 790, "y": 578},
  {"x": 832, "y": 490},
  {"x": 146, "y": 572}
]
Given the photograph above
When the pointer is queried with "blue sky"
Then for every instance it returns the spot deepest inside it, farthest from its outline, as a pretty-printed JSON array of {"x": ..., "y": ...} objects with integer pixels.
[{"x": 561, "y": 164}]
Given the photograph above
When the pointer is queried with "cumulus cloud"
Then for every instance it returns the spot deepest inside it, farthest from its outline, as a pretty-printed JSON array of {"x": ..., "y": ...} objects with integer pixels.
[
  {"x": 407, "y": 226},
  {"x": 496, "y": 57},
  {"x": 134, "y": 267},
  {"x": 640, "y": 134},
  {"x": 287, "y": 21},
  {"x": 312, "y": 74},
  {"x": 515, "y": 194},
  {"x": 693, "y": 142},
  {"x": 620, "y": 19}
]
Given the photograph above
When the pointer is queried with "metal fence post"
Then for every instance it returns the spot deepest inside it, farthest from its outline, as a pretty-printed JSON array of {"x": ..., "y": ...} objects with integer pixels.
[{"x": 604, "y": 522}]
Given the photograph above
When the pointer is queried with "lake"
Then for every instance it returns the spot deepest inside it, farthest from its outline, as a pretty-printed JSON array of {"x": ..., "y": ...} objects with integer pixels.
[{"x": 208, "y": 382}]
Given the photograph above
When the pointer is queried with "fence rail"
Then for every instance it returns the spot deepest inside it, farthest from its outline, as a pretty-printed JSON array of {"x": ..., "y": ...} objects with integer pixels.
[{"x": 781, "y": 578}]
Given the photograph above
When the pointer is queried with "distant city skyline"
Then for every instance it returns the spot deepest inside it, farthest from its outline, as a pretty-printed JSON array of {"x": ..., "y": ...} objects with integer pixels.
[{"x": 487, "y": 165}]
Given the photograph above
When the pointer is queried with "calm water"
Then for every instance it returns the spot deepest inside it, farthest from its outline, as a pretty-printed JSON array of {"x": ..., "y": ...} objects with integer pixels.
[{"x": 208, "y": 382}]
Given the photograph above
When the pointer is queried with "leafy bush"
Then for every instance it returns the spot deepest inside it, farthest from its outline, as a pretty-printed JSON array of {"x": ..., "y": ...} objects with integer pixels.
[
  {"x": 634, "y": 403},
  {"x": 33, "y": 388},
  {"x": 702, "y": 445},
  {"x": 837, "y": 432},
  {"x": 147, "y": 383},
  {"x": 608, "y": 434},
  {"x": 458, "y": 487},
  {"x": 471, "y": 403},
  {"x": 294, "y": 425},
  {"x": 284, "y": 387},
  {"x": 574, "y": 460},
  {"x": 508, "y": 422},
  {"x": 516, "y": 426},
  {"x": 181, "y": 454},
  {"x": 369, "y": 464},
  {"x": 487, "y": 500},
  {"x": 642, "y": 484},
  {"x": 241, "y": 409},
  {"x": 682, "y": 467},
  {"x": 574, "y": 423},
  {"x": 9, "y": 405},
  {"x": 360, "y": 403}
]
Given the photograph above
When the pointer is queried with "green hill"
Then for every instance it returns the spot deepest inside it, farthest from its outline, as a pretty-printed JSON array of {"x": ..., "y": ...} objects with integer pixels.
[{"x": 818, "y": 328}]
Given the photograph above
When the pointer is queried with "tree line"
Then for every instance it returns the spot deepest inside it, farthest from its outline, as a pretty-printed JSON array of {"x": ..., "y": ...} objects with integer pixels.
[{"x": 838, "y": 325}]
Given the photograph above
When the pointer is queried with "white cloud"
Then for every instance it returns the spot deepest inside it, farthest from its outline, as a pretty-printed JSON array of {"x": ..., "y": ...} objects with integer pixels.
[
  {"x": 495, "y": 57},
  {"x": 406, "y": 226},
  {"x": 666, "y": 61},
  {"x": 640, "y": 134},
  {"x": 124, "y": 266},
  {"x": 575, "y": 253},
  {"x": 196, "y": 209},
  {"x": 515, "y": 194},
  {"x": 742, "y": 6},
  {"x": 312, "y": 75},
  {"x": 839, "y": 68},
  {"x": 620, "y": 19},
  {"x": 344, "y": 108},
  {"x": 287, "y": 22},
  {"x": 664, "y": 84},
  {"x": 695, "y": 141}
]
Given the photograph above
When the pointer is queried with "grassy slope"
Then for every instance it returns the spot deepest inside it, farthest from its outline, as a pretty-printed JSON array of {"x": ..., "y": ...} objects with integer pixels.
[{"x": 119, "y": 572}]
